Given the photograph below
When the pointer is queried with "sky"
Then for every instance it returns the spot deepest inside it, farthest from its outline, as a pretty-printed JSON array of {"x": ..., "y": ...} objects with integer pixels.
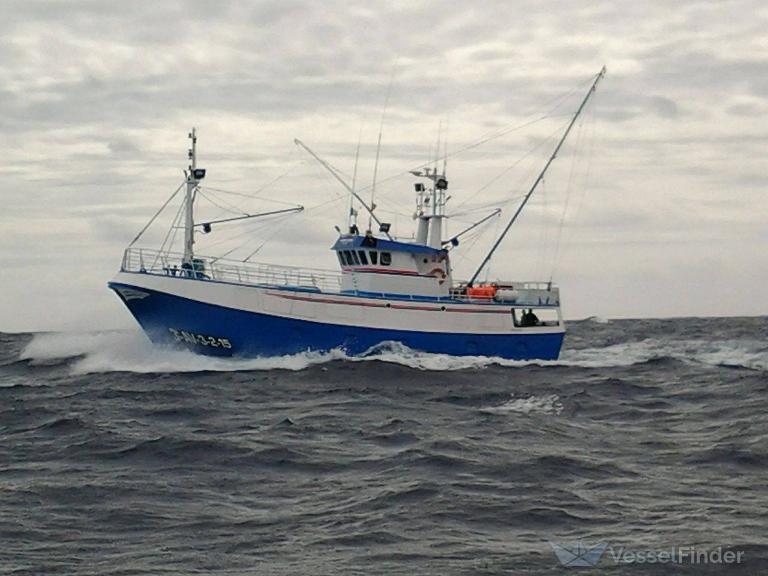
[{"x": 656, "y": 207}]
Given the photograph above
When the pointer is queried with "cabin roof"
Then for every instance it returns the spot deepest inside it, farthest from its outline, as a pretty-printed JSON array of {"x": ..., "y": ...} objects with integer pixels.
[{"x": 349, "y": 241}]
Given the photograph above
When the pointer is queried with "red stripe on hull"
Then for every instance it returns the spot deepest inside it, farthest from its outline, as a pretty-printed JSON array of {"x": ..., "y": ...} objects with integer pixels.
[{"x": 383, "y": 305}]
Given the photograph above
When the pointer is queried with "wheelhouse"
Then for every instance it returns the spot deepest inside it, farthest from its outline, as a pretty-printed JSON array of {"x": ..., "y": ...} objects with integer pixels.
[{"x": 371, "y": 264}]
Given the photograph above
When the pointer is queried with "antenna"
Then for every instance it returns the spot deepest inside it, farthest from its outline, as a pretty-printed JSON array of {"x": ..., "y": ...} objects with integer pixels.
[
  {"x": 352, "y": 216},
  {"x": 445, "y": 151},
  {"x": 378, "y": 146},
  {"x": 437, "y": 145}
]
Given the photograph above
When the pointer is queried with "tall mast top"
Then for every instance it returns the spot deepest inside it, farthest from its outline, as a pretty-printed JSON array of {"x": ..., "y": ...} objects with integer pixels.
[
  {"x": 193, "y": 150},
  {"x": 195, "y": 174}
]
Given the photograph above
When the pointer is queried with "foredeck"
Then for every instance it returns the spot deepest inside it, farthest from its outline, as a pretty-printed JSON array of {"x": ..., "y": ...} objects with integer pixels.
[{"x": 155, "y": 262}]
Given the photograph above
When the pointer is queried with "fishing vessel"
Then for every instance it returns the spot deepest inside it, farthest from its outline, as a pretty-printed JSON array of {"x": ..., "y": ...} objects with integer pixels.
[{"x": 386, "y": 289}]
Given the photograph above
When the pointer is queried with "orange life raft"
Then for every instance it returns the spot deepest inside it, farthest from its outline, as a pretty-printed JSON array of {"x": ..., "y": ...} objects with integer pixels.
[{"x": 487, "y": 291}]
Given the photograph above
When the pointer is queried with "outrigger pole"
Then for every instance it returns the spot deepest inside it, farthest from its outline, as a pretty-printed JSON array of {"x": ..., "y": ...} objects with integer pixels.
[
  {"x": 335, "y": 174},
  {"x": 455, "y": 239},
  {"x": 206, "y": 226},
  {"x": 540, "y": 177}
]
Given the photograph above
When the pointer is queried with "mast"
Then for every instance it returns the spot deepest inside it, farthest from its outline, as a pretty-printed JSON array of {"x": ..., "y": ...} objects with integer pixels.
[
  {"x": 194, "y": 176},
  {"x": 430, "y": 225},
  {"x": 541, "y": 175}
]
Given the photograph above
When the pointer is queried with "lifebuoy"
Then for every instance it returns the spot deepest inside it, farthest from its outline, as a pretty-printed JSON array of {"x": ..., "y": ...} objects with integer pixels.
[{"x": 438, "y": 273}]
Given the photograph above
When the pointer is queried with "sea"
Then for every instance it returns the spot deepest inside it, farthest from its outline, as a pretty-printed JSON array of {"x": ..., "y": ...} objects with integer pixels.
[{"x": 643, "y": 450}]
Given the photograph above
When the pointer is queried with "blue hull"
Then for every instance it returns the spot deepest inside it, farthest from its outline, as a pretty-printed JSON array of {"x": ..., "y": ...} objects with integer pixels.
[{"x": 221, "y": 331}]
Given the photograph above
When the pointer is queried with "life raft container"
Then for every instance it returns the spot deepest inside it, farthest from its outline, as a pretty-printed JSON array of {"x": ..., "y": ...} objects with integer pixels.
[
  {"x": 506, "y": 295},
  {"x": 487, "y": 292}
]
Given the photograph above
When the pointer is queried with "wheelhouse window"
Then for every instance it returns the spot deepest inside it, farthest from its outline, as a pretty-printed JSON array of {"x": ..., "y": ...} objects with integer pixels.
[
  {"x": 348, "y": 257},
  {"x": 374, "y": 256},
  {"x": 355, "y": 259},
  {"x": 386, "y": 258},
  {"x": 363, "y": 257},
  {"x": 341, "y": 259}
]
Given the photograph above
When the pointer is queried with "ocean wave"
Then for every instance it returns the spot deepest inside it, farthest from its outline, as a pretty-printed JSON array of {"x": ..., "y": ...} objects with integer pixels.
[
  {"x": 594, "y": 319},
  {"x": 741, "y": 353},
  {"x": 131, "y": 351}
]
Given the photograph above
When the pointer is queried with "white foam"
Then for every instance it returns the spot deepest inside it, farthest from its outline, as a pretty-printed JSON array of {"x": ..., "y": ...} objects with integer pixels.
[
  {"x": 397, "y": 353},
  {"x": 131, "y": 351},
  {"x": 616, "y": 355},
  {"x": 549, "y": 404},
  {"x": 747, "y": 353},
  {"x": 742, "y": 352},
  {"x": 597, "y": 320}
]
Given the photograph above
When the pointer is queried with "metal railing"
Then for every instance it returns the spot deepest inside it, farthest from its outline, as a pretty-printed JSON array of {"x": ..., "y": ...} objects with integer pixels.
[
  {"x": 271, "y": 275},
  {"x": 233, "y": 271}
]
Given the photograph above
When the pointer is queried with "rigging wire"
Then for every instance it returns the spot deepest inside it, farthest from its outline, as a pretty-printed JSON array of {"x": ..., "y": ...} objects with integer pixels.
[
  {"x": 496, "y": 178},
  {"x": 540, "y": 249},
  {"x": 262, "y": 188},
  {"x": 250, "y": 227},
  {"x": 470, "y": 242},
  {"x": 583, "y": 187},
  {"x": 247, "y": 228},
  {"x": 273, "y": 228},
  {"x": 475, "y": 208},
  {"x": 226, "y": 206},
  {"x": 568, "y": 190},
  {"x": 555, "y": 103},
  {"x": 490, "y": 262},
  {"x": 175, "y": 224},
  {"x": 525, "y": 177},
  {"x": 171, "y": 234},
  {"x": 224, "y": 209},
  {"x": 141, "y": 232},
  {"x": 268, "y": 237},
  {"x": 458, "y": 151}
]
